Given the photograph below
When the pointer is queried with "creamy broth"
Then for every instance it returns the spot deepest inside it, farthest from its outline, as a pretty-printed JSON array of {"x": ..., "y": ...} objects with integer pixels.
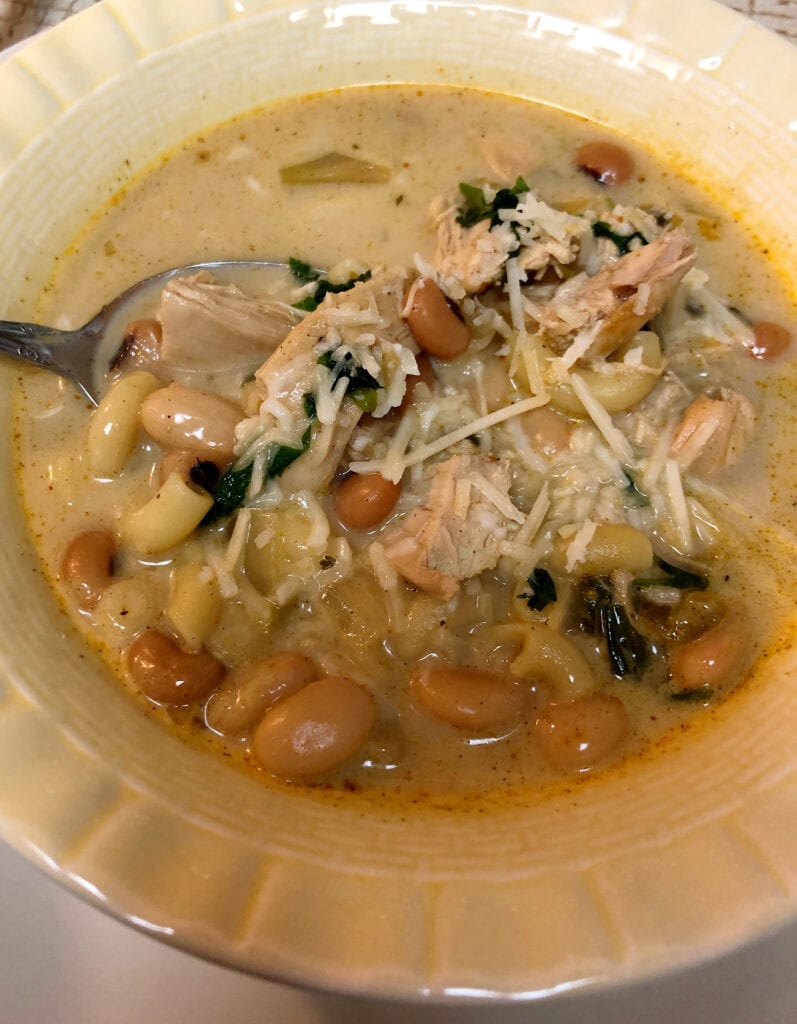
[{"x": 380, "y": 625}]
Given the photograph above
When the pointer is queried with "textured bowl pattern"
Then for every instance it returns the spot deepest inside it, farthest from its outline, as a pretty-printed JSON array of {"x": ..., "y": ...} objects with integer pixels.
[{"x": 667, "y": 861}]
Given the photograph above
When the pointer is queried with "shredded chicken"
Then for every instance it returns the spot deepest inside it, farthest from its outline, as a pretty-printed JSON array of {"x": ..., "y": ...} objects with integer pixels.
[
  {"x": 368, "y": 313},
  {"x": 713, "y": 433},
  {"x": 457, "y": 532},
  {"x": 599, "y": 313},
  {"x": 211, "y": 326},
  {"x": 468, "y": 260}
]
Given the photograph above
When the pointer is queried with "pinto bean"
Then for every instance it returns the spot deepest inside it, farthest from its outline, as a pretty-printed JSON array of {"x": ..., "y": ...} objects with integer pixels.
[
  {"x": 190, "y": 468},
  {"x": 166, "y": 673},
  {"x": 436, "y": 323},
  {"x": 547, "y": 430},
  {"x": 709, "y": 660},
  {"x": 87, "y": 565},
  {"x": 467, "y": 698},
  {"x": 769, "y": 340},
  {"x": 362, "y": 501},
  {"x": 192, "y": 420},
  {"x": 314, "y": 730},
  {"x": 141, "y": 346},
  {"x": 249, "y": 691},
  {"x": 606, "y": 162},
  {"x": 578, "y": 734}
]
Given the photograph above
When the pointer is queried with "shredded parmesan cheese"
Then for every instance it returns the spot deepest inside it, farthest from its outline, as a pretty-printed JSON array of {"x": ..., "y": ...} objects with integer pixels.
[
  {"x": 501, "y": 501},
  {"x": 427, "y": 451},
  {"x": 577, "y": 548},
  {"x": 677, "y": 503},
  {"x": 536, "y": 517},
  {"x": 616, "y": 441}
]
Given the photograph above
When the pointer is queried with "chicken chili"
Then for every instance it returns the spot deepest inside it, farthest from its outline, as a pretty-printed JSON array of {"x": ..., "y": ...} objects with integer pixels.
[{"x": 473, "y": 494}]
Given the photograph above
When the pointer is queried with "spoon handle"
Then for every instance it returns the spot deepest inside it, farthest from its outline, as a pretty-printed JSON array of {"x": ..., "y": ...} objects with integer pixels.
[
  {"x": 30, "y": 341},
  {"x": 68, "y": 353}
]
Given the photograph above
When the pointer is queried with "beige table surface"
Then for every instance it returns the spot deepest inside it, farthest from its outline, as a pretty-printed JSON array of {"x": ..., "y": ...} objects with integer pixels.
[{"x": 21, "y": 18}]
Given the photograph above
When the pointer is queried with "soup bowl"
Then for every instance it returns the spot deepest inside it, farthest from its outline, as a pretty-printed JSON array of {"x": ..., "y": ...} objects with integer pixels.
[{"x": 683, "y": 854}]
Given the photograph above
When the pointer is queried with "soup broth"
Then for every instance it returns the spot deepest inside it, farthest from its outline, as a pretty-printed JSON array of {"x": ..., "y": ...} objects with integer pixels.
[{"x": 492, "y": 488}]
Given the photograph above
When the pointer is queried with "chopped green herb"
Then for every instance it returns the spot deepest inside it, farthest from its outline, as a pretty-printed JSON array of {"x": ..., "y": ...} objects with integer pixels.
[
  {"x": 285, "y": 455},
  {"x": 348, "y": 367},
  {"x": 542, "y": 590},
  {"x": 627, "y": 650},
  {"x": 327, "y": 562},
  {"x": 304, "y": 272},
  {"x": 309, "y": 406},
  {"x": 228, "y": 494},
  {"x": 600, "y": 229},
  {"x": 477, "y": 208},
  {"x": 701, "y": 693}
]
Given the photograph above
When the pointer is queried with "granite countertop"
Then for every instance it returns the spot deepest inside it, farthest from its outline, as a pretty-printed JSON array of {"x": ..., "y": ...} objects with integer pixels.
[{"x": 22, "y": 18}]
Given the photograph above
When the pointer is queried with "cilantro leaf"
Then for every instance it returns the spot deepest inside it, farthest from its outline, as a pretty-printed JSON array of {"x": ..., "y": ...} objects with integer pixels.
[
  {"x": 477, "y": 208},
  {"x": 304, "y": 272},
  {"x": 230, "y": 492},
  {"x": 600, "y": 229},
  {"x": 348, "y": 367}
]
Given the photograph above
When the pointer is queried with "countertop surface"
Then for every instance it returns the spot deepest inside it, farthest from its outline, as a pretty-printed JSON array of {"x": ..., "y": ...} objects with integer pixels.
[{"x": 63, "y": 962}]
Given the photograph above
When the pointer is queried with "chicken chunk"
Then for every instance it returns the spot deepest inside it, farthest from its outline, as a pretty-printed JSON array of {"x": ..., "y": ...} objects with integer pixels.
[
  {"x": 468, "y": 260},
  {"x": 211, "y": 326},
  {"x": 598, "y": 314},
  {"x": 713, "y": 433},
  {"x": 457, "y": 532},
  {"x": 368, "y": 316}
]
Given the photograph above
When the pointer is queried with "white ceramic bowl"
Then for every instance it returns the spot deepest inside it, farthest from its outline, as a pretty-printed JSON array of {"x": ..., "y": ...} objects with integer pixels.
[{"x": 667, "y": 862}]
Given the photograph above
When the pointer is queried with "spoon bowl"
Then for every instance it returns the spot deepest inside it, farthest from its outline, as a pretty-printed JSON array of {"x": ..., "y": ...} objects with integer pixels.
[{"x": 79, "y": 355}]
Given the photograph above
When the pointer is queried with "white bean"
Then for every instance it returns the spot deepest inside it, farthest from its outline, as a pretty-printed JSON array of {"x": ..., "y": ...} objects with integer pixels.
[{"x": 192, "y": 420}]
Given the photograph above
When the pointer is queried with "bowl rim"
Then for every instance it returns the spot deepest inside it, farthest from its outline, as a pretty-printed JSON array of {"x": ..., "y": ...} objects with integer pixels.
[{"x": 150, "y": 33}]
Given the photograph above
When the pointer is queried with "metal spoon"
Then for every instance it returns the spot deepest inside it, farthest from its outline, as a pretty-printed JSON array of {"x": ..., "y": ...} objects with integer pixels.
[{"x": 73, "y": 354}]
